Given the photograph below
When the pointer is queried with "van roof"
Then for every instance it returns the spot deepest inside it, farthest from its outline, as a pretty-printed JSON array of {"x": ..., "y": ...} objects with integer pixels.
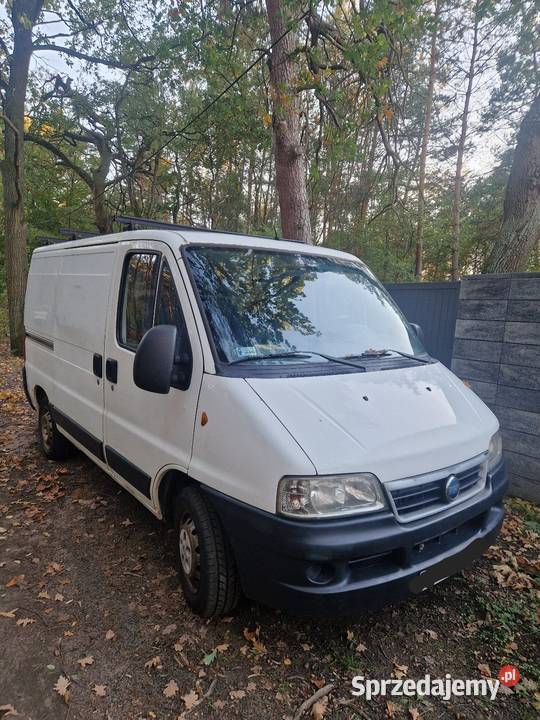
[{"x": 176, "y": 239}]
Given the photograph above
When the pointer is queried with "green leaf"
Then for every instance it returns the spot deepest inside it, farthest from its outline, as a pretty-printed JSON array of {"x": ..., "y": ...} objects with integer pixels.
[{"x": 209, "y": 659}]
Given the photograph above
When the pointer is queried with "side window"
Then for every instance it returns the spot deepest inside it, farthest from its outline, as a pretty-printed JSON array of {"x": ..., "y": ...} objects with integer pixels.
[
  {"x": 137, "y": 301},
  {"x": 168, "y": 308}
]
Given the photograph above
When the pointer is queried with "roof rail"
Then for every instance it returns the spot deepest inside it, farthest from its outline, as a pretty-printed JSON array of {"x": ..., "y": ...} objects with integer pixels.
[
  {"x": 46, "y": 240},
  {"x": 76, "y": 234},
  {"x": 131, "y": 222}
]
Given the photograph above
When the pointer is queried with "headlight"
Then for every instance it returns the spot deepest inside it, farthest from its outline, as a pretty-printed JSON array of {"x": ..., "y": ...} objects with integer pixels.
[
  {"x": 329, "y": 495},
  {"x": 494, "y": 451}
]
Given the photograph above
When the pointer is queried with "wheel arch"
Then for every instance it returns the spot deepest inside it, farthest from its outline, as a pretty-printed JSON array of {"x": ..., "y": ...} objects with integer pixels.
[
  {"x": 168, "y": 484},
  {"x": 40, "y": 396}
]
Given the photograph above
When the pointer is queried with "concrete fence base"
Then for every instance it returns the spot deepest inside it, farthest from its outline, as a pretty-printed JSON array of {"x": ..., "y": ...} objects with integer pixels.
[{"x": 497, "y": 349}]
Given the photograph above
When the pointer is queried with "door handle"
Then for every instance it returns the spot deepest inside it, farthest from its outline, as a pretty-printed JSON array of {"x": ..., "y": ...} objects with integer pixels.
[
  {"x": 111, "y": 370},
  {"x": 97, "y": 365}
]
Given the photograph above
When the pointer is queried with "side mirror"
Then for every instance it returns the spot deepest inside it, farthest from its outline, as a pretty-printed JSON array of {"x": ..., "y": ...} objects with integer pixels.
[
  {"x": 418, "y": 330},
  {"x": 154, "y": 359}
]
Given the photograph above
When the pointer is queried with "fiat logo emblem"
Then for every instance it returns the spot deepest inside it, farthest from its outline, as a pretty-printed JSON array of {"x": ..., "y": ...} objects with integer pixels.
[{"x": 451, "y": 488}]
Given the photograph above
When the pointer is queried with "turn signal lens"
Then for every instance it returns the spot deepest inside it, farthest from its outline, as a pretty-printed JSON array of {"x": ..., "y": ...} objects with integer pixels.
[{"x": 495, "y": 451}]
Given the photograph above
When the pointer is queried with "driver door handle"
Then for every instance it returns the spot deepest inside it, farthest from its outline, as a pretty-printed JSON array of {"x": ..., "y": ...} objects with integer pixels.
[{"x": 111, "y": 370}]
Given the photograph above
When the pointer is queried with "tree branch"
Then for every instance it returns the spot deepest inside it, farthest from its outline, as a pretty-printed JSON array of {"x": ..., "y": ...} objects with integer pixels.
[
  {"x": 118, "y": 64},
  {"x": 64, "y": 159}
]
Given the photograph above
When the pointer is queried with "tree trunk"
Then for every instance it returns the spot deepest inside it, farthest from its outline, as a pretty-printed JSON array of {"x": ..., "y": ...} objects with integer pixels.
[
  {"x": 456, "y": 207},
  {"x": 23, "y": 17},
  {"x": 99, "y": 176},
  {"x": 288, "y": 151},
  {"x": 520, "y": 230},
  {"x": 366, "y": 179},
  {"x": 95, "y": 179},
  {"x": 423, "y": 152}
]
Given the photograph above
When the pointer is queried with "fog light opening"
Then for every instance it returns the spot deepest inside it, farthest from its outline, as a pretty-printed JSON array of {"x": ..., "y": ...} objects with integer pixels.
[{"x": 320, "y": 574}]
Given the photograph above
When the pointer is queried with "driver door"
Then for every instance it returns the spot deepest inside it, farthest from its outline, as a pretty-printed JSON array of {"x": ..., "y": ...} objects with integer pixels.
[{"x": 144, "y": 431}]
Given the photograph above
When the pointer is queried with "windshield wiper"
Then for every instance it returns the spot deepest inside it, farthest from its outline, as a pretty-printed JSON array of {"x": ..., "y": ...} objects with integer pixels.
[
  {"x": 382, "y": 353},
  {"x": 298, "y": 354},
  {"x": 269, "y": 356}
]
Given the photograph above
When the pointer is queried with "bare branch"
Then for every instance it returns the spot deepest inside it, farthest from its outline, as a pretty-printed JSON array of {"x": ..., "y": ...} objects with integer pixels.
[
  {"x": 118, "y": 64},
  {"x": 64, "y": 159}
]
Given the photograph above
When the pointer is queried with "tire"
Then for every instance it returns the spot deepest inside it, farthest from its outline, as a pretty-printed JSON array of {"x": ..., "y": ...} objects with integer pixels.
[
  {"x": 54, "y": 445},
  {"x": 206, "y": 564}
]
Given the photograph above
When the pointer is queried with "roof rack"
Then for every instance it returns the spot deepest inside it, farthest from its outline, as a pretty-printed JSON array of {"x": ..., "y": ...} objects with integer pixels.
[
  {"x": 75, "y": 234},
  {"x": 130, "y": 222},
  {"x": 46, "y": 240}
]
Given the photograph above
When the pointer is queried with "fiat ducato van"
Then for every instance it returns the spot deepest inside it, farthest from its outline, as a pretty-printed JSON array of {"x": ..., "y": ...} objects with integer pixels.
[{"x": 269, "y": 399}]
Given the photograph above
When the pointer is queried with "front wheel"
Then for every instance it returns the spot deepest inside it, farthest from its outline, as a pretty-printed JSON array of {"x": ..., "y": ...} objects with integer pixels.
[{"x": 206, "y": 564}]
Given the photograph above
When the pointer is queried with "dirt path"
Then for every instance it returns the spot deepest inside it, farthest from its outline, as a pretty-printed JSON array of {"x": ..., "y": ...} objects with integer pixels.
[{"x": 89, "y": 599}]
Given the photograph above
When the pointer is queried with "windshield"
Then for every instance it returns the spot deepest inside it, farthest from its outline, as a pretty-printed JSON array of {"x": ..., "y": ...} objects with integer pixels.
[{"x": 260, "y": 302}]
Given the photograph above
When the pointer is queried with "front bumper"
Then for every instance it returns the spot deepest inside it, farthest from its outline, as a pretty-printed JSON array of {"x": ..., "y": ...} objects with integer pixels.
[{"x": 336, "y": 567}]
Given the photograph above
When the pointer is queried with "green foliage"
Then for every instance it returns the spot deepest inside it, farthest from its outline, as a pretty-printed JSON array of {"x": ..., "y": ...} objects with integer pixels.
[{"x": 362, "y": 79}]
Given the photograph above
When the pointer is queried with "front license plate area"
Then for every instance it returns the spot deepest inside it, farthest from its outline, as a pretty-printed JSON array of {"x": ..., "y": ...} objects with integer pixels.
[{"x": 443, "y": 569}]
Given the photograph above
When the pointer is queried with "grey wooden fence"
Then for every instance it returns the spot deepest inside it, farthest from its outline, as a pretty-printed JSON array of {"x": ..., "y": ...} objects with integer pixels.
[
  {"x": 497, "y": 349},
  {"x": 434, "y": 307}
]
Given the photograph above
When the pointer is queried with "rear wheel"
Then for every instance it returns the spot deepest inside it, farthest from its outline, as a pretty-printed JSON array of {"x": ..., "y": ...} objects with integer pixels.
[
  {"x": 206, "y": 564},
  {"x": 54, "y": 445}
]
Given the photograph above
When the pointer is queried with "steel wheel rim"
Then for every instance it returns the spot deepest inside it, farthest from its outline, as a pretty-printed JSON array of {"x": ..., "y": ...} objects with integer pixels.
[
  {"x": 190, "y": 555},
  {"x": 46, "y": 426}
]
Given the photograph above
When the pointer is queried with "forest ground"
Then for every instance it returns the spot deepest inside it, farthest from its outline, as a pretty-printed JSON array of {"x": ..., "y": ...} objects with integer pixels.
[{"x": 93, "y": 623}]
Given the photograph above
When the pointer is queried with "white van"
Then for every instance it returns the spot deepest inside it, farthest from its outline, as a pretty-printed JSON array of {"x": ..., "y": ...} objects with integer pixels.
[{"x": 271, "y": 399}]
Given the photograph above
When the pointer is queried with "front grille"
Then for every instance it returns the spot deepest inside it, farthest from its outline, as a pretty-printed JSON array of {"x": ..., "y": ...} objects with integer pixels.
[{"x": 417, "y": 497}]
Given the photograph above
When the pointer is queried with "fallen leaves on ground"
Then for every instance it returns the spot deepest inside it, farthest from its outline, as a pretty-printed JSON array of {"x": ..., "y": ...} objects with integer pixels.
[
  {"x": 8, "y": 613},
  {"x": 154, "y": 662},
  {"x": 61, "y": 686},
  {"x": 8, "y": 711},
  {"x": 237, "y": 694},
  {"x": 253, "y": 637},
  {"x": 318, "y": 710},
  {"x": 15, "y": 581},
  {"x": 53, "y": 568},
  {"x": 25, "y": 621},
  {"x": 100, "y": 690},
  {"x": 399, "y": 671},
  {"x": 209, "y": 658},
  {"x": 190, "y": 699},
  {"x": 170, "y": 689},
  {"x": 485, "y": 670},
  {"x": 85, "y": 661}
]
